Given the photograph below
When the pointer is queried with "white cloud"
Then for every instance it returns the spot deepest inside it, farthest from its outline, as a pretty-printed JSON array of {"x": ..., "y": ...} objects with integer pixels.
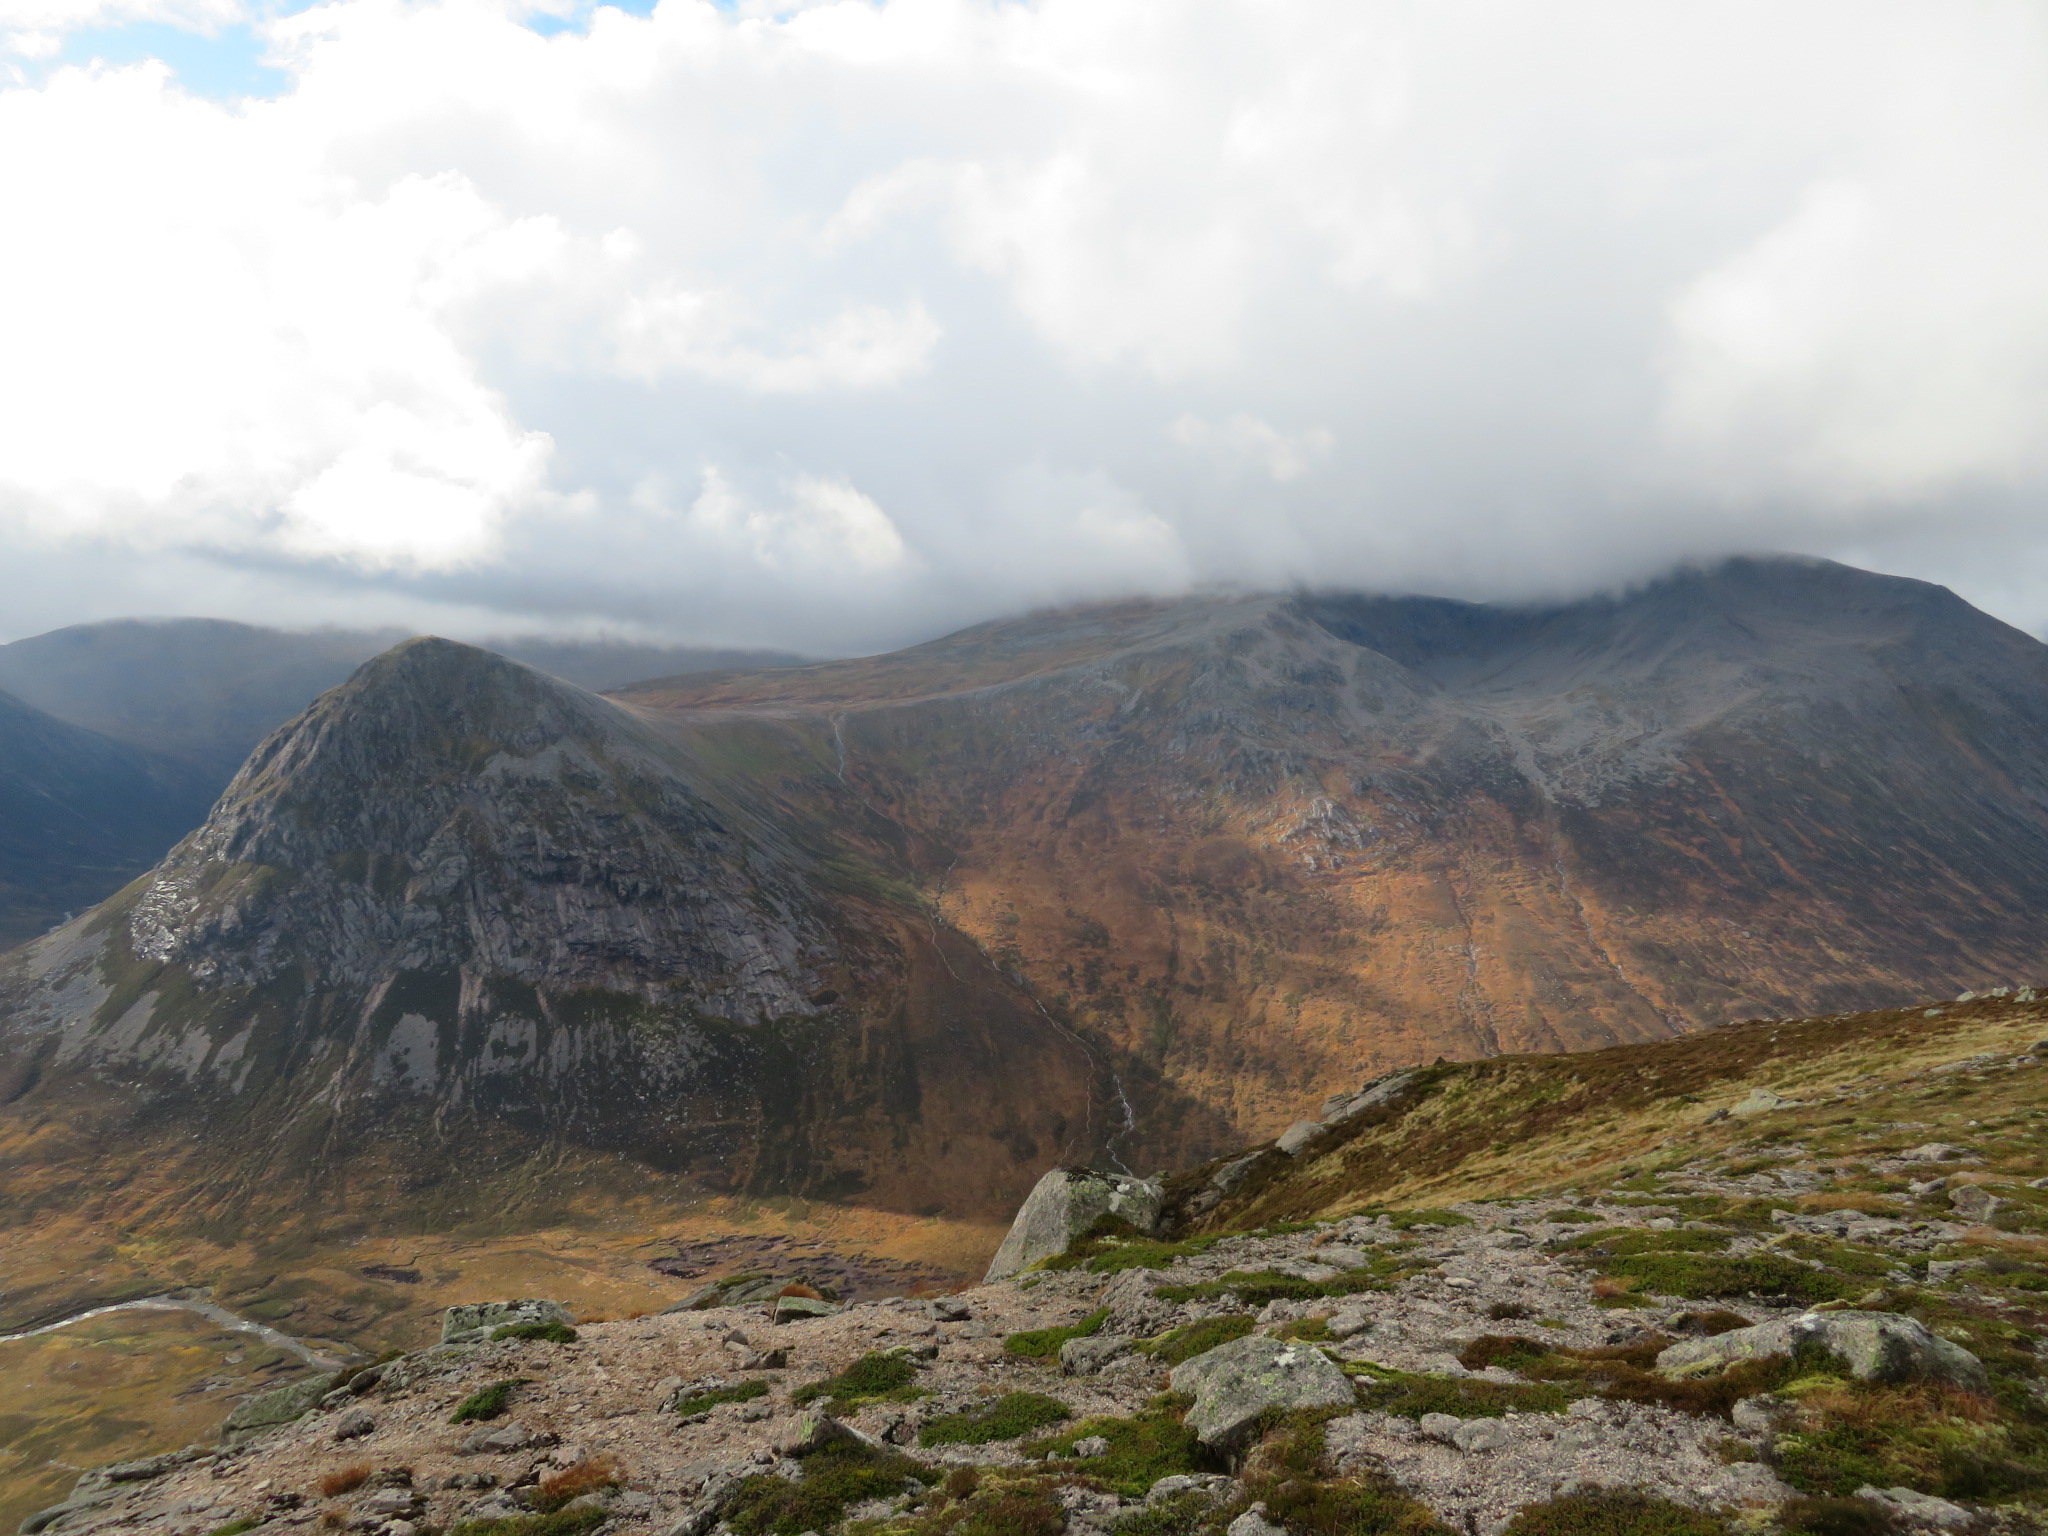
[{"x": 974, "y": 304}]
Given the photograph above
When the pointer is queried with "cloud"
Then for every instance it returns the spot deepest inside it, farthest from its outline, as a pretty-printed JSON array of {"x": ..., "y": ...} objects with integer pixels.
[{"x": 831, "y": 325}]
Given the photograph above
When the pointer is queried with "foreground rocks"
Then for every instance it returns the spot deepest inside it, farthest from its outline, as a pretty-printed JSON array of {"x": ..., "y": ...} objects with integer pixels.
[
  {"x": 1065, "y": 1204},
  {"x": 1461, "y": 1365}
]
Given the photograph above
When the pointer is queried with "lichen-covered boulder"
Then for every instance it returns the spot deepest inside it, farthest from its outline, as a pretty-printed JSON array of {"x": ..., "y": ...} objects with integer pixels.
[
  {"x": 280, "y": 1405},
  {"x": 466, "y": 1325},
  {"x": 1234, "y": 1383},
  {"x": 1875, "y": 1346},
  {"x": 1065, "y": 1204}
]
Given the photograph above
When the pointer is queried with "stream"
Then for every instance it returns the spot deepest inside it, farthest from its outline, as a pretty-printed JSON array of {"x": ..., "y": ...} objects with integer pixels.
[{"x": 206, "y": 1309}]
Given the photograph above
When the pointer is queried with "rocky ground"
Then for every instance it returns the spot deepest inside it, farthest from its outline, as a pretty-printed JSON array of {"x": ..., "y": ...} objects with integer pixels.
[{"x": 603, "y": 1410}]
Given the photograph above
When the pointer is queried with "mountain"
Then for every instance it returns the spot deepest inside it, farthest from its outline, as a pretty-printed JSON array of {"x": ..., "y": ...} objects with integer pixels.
[
  {"x": 208, "y": 690},
  {"x": 463, "y": 936},
  {"x": 80, "y": 816},
  {"x": 1264, "y": 844},
  {"x": 1131, "y": 881}
]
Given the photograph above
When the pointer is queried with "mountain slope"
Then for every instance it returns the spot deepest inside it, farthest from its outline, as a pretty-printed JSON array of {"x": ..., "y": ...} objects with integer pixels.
[
  {"x": 462, "y": 921},
  {"x": 80, "y": 815},
  {"x": 1265, "y": 843}
]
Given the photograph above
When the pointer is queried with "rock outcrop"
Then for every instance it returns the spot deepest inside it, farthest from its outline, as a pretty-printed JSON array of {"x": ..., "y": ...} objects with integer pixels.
[{"x": 1063, "y": 1206}]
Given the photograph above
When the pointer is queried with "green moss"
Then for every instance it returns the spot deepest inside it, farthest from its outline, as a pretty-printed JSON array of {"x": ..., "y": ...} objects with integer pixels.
[
  {"x": 1834, "y": 1517},
  {"x": 1849, "y": 1433},
  {"x": 833, "y": 1481},
  {"x": 1256, "y": 1287},
  {"x": 1186, "y": 1514},
  {"x": 1199, "y": 1338},
  {"x": 1697, "y": 1277},
  {"x": 874, "y": 1377},
  {"x": 572, "y": 1522},
  {"x": 699, "y": 1402},
  {"x": 1149, "y": 1445},
  {"x": 1113, "y": 1244},
  {"x": 1007, "y": 1418},
  {"x": 236, "y": 1527},
  {"x": 1044, "y": 1343},
  {"x": 1310, "y": 1330},
  {"x": 488, "y": 1403},
  {"x": 1411, "y": 1395},
  {"x": 544, "y": 1333},
  {"x": 1289, "y": 1472},
  {"x": 1613, "y": 1512}
]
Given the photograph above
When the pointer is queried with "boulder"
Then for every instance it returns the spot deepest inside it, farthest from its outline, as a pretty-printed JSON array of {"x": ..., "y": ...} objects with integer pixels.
[
  {"x": 812, "y": 1432},
  {"x": 1382, "y": 1090},
  {"x": 1084, "y": 1357},
  {"x": 1975, "y": 1204},
  {"x": 280, "y": 1405},
  {"x": 1761, "y": 1101},
  {"x": 1875, "y": 1346},
  {"x": 57, "y": 1514},
  {"x": 1211, "y": 1485},
  {"x": 472, "y": 1323},
  {"x": 1253, "y": 1522},
  {"x": 1091, "y": 1445},
  {"x": 1299, "y": 1135},
  {"x": 1065, "y": 1204},
  {"x": 1234, "y": 1383},
  {"x": 499, "y": 1439},
  {"x": 1922, "y": 1510},
  {"x": 353, "y": 1425},
  {"x": 795, "y": 1309}
]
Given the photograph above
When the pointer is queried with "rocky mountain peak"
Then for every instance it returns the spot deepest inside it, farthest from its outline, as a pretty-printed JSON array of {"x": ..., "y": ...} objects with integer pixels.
[{"x": 449, "y": 810}]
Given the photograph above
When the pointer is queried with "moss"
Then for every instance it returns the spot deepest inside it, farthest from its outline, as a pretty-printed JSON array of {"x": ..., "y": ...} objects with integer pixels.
[
  {"x": 874, "y": 1377},
  {"x": 700, "y": 1402},
  {"x": 1044, "y": 1343},
  {"x": 1007, "y": 1418},
  {"x": 571, "y": 1522},
  {"x": 1149, "y": 1445},
  {"x": 1931, "y": 1439},
  {"x": 1613, "y": 1512},
  {"x": 1199, "y": 1338},
  {"x": 1309, "y": 1330},
  {"x": 1834, "y": 1517},
  {"x": 1698, "y": 1277},
  {"x": 488, "y": 1403},
  {"x": 543, "y": 1333},
  {"x": 1289, "y": 1472},
  {"x": 1186, "y": 1514},
  {"x": 236, "y": 1527},
  {"x": 1411, "y": 1395},
  {"x": 1113, "y": 1244},
  {"x": 833, "y": 1481},
  {"x": 1256, "y": 1287}
]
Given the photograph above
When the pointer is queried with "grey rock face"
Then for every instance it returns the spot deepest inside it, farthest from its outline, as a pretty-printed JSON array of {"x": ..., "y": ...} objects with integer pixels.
[
  {"x": 813, "y": 1432},
  {"x": 1876, "y": 1346},
  {"x": 1234, "y": 1383},
  {"x": 1920, "y": 1510},
  {"x": 466, "y": 1324},
  {"x": 1383, "y": 1090},
  {"x": 280, "y": 1405},
  {"x": 1065, "y": 1204},
  {"x": 1976, "y": 1204},
  {"x": 1299, "y": 1135},
  {"x": 1253, "y": 1522},
  {"x": 1084, "y": 1357}
]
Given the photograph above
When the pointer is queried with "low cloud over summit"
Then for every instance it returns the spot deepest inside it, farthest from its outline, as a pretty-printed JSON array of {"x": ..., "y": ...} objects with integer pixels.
[{"x": 830, "y": 326}]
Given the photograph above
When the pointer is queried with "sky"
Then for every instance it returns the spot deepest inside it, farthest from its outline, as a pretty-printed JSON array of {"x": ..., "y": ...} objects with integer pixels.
[{"x": 835, "y": 326}]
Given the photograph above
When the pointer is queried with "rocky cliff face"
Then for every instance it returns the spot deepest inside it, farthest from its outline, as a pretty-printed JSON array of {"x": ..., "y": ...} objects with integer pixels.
[{"x": 462, "y": 914}]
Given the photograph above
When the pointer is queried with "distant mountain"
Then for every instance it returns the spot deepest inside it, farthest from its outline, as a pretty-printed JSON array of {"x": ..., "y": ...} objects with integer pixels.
[
  {"x": 1130, "y": 882},
  {"x": 208, "y": 690},
  {"x": 461, "y": 919},
  {"x": 1267, "y": 844},
  {"x": 80, "y": 816}
]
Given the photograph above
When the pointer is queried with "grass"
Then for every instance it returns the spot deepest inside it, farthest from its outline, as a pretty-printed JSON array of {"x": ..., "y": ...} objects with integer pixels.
[
  {"x": 1613, "y": 1512},
  {"x": 1411, "y": 1395},
  {"x": 1009, "y": 1417},
  {"x": 833, "y": 1481},
  {"x": 1113, "y": 1244},
  {"x": 1256, "y": 1287},
  {"x": 593, "y": 1474},
  {"x": 1199, "y": 1338},
  {"x": 1928, "y": 1438},
  {"x": 1044, "y": 1343},
  {"x": 1625, "y": 1373},
  {"x": 488, "y": 1403},
  {"x": 544, "y": 1333},
  {"x": 1289, "y": 1472},
  {"x": 699, "y": 1402},
  {"x": 569, "y": 1522},
  {"x": 1143, "y": 1448},
  {"x": 236, "y": 1527},
  {"x": 875, "y": 1377},
  {"x": 344, "y": 1480}
]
